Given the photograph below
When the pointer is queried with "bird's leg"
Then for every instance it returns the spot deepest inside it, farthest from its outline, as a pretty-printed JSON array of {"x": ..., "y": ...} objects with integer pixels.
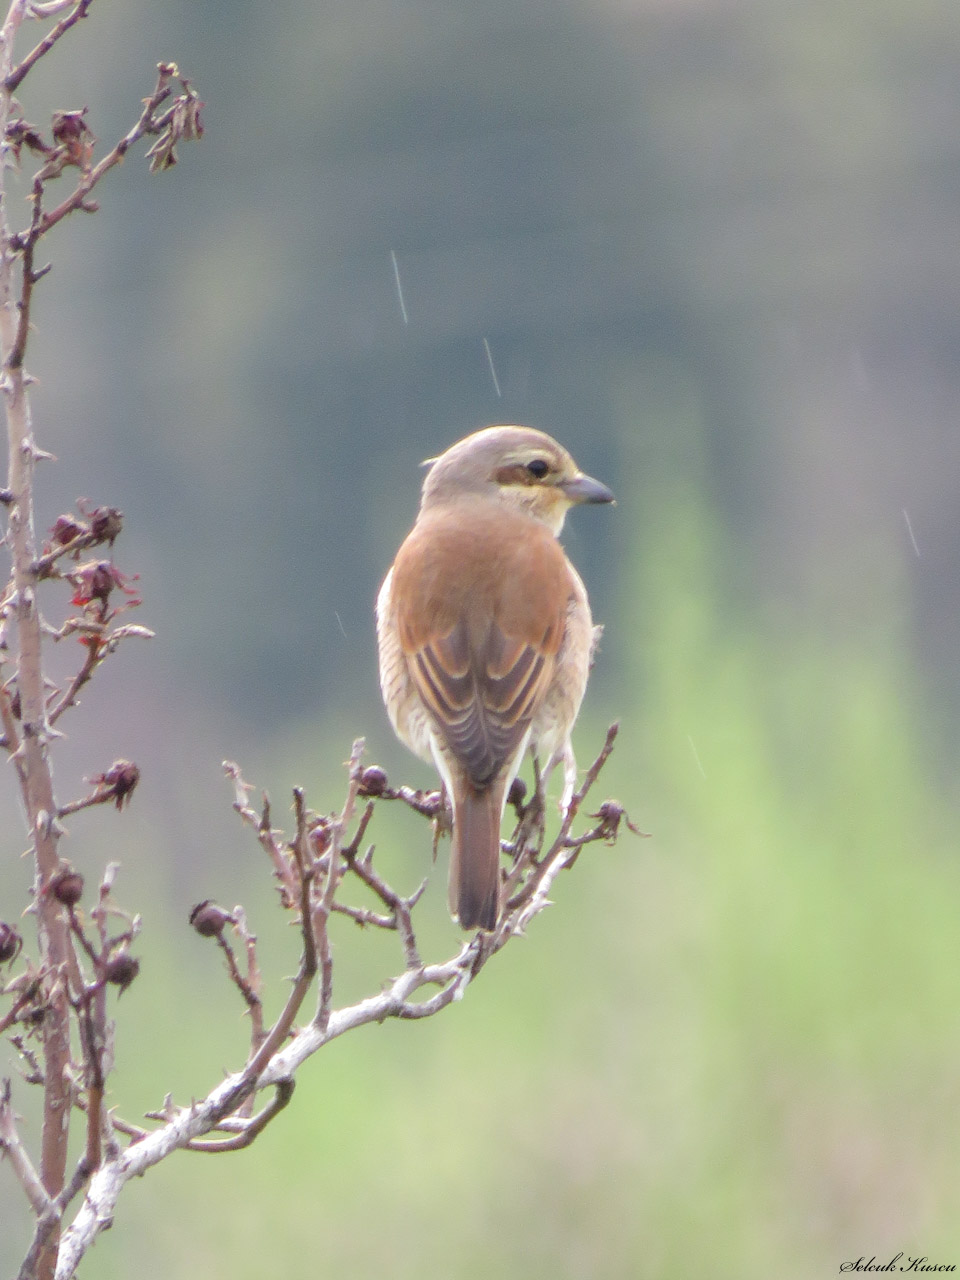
[
  {"x": 535, "y": 811},
  {"x": 569, "y": 777},
  {"x": 565, "y": 754},
  {"x": 443, "y": 821}
]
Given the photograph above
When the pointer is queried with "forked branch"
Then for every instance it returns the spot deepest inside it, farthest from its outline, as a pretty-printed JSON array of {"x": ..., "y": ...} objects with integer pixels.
[{"x": 323, "y": 865}]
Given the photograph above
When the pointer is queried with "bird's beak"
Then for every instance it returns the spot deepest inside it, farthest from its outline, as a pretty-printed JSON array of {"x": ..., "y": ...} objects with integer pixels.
[{"x": 585, "y": 489}]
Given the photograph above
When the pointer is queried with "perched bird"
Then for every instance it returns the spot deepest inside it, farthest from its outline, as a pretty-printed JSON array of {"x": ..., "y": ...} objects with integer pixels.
[{"x": 485, "y": 636}]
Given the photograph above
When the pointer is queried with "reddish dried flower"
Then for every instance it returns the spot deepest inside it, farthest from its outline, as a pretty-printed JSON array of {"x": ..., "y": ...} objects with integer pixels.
[
  {"x": 67, "y": 887},
  {"x": 72, "y": 132},
  {"x": 373, "y": 781},
  {"x": 208, "y": 919},
  {"x": 65, "y": 529},
  {"x": 121, "y": 970},
  {"x": 10, "y": 942},
  {"x": 120, "y": 779},
  {"x": 96, "y": 580}
]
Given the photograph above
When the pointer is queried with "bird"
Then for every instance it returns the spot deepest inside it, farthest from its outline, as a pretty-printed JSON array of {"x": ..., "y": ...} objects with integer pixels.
[{"x": 485, "y": 637}]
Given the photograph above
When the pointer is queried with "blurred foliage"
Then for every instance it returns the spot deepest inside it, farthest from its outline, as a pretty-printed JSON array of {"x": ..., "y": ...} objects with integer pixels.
[{"x": 712, "y": 247}]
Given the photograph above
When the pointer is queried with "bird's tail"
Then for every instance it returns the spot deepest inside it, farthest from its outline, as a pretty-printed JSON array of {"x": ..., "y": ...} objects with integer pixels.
[{"x": 475, "y": 857}]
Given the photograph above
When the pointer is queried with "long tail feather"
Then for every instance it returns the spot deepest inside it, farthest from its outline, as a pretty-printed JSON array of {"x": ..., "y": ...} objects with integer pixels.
[{"x": 475, "y": 857}]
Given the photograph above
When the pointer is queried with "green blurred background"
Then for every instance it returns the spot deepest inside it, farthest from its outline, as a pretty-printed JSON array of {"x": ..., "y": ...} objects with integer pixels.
[{"x": 713, "y": 248}]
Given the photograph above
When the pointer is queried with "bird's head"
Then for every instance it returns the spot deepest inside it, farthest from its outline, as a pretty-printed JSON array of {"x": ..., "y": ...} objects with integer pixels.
[{"x": 523, "y": 468}]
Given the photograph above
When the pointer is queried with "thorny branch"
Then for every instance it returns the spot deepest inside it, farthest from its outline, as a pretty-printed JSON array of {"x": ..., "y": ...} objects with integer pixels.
[
  {"x": 16, "y": 76},
  {"x": 59, "y": 1000},
  {"x": 73, "y": 143},
  {"x": 55, "y": 1008},
  {"x": 319, "y": 865}
]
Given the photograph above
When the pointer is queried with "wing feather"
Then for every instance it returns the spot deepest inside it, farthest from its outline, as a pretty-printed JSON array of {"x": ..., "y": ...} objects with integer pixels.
[
  {"x": 481, "y": 599},
  {"x": 483, "y": 717}
]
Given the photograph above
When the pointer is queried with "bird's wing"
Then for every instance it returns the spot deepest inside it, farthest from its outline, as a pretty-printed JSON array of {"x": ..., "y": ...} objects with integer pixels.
[
  {"x": 481, "y": 613},
  {"x": 481, "y": 696}
]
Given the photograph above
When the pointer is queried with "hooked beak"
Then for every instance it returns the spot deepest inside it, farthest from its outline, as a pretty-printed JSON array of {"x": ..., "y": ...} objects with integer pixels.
[{"x": 585, "y": 489}]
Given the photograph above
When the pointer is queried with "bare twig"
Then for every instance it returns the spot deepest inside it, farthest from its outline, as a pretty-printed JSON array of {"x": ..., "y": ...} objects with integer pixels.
[
  {"x": 236, "y": 977},
  {"x": 34, "y": 1072},
  {"x": 13, "y": 1149},
  {"x": 252, "y": 1127},
  {"x": 42, "y": 9},
  {"x": 284, "y": 1050},
  {"x": 29, "y": 278},
  {"x": 14, "y": 79},
  {"x": 363, "y": 916},
  {"x": 284, "y": 869},
  {"x": 399, "y": 907},
  {"x": 148, "y": 123},
  {"x": 253, "y": 979},
  {"x": 308, "y": 964},
  {"x": 333, "y": 833},
  {"x": 93, "y": 658},
  {"x": 51, "y": 1219}
]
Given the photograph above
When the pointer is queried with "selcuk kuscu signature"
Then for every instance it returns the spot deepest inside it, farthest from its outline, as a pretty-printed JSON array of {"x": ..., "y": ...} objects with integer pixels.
[{"x": 897, "y": 1263}]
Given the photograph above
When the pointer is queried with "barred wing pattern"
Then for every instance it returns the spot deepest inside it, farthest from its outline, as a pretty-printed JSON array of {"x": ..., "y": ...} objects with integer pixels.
[{"x": 482, "y": 698}]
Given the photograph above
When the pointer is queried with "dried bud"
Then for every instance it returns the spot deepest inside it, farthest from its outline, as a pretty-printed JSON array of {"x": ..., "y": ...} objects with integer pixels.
[
  {"x": 373, "y": 781},
  {"x": 182, "y": 122},
  {"x": 65, "y": 529},
  {"x": 16, "y": 707},
  {"x": 67, "y": 886},
  {"x": 319, "y": 837},
  {"x": 120, "y": 779},
  {"x": 610, "y": 811},
  {"x": 610, "y": 814},
  {"x": 69, "y": 125},
  {"x": 20, "y": 134},
  {"x": 95, "y": 581},
  {"x": 188, "y": 119},
  {"x": 10, "y": 942},
  {"x": 517, "y": 792},
  {"x": 209, "y": 920},
  {"x": 72, "y": 132},
  {"x": 106, "y": 523},
  {"x": 121, "y": 970}
]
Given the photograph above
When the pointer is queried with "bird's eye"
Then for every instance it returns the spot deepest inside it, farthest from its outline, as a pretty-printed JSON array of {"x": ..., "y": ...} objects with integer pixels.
[{"x": 538, "y": 468}]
